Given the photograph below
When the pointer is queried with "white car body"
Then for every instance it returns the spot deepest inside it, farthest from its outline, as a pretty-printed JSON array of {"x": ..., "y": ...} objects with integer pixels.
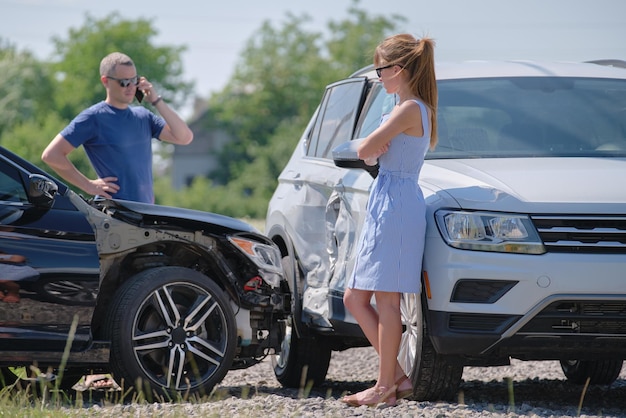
[{"x": 558, "y": 293}]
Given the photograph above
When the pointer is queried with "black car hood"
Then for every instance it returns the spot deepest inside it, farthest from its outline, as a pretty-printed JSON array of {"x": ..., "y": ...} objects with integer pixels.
[{"x": 180, "y": 216}]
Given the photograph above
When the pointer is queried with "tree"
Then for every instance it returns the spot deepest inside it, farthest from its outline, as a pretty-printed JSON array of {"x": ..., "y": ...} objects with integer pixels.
[
  {"x": 352, "y": 42},
  {"x": 78, "y": 69},
  {"x": 25, "y": 88},
  {"x": 275, "y": 79},
  {"x": 29, "y": 138},
  {"x": 276, "y": 88}
]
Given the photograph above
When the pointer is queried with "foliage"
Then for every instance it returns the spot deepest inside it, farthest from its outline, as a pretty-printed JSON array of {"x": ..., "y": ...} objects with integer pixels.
[
  {"x": 78, "y": 69},
  {"x": 29, "y": 139},
  {"x": 247, "y": 195},
  {"x": 275, "y": 89},
  {"x": 352, "y": 42},
  {"x": 276, "y": 79},
  {"x": 25, "y": 88}
]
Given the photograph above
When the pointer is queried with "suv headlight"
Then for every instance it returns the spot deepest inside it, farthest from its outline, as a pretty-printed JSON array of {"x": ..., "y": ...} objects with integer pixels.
[
  {"x": 489, "y": 231},
  {"x": 266, "y": 257}
]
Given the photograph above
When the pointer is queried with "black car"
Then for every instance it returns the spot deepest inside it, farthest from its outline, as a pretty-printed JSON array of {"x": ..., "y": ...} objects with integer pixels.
[{"x": 166, "y": 298}]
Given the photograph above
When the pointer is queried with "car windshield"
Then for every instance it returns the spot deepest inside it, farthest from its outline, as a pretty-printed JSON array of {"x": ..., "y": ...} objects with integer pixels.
[{"x": 531, "y": 116}]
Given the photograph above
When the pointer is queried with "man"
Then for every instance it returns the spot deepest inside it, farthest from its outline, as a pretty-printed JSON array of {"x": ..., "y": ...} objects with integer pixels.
[
  {"x": 117, "y": 137},
  {"x": 118, "y": 141}
]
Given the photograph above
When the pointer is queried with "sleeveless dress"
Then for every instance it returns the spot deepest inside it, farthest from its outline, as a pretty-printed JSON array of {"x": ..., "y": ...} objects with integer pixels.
[{"x": 391, "y": 246}]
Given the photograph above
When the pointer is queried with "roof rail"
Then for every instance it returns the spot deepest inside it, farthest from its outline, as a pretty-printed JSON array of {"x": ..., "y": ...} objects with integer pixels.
[
  {"x": 363, "y": 70},
  {"x": 609, "y": 62}
]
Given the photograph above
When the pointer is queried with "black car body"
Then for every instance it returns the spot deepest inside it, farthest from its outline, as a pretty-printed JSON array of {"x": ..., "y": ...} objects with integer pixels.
[{"x": 170, "y": 296}]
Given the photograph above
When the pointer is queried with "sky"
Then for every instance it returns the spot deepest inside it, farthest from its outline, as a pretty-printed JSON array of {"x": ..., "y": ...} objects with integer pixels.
[{"x": 215, "y": 32}]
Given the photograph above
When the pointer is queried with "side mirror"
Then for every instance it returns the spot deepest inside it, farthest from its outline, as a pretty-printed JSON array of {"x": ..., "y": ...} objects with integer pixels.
[
  {"x": 41, "y": 190},
  {"x": 345, "y": 156}
]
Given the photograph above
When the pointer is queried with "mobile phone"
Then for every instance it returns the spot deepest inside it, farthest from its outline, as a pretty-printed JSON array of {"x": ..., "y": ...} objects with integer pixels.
[{"x": 139, "y": 95}]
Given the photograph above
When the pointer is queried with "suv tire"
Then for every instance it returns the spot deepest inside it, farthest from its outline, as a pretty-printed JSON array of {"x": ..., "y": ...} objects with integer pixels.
[
  {"x": 434, "y": 376},
  {"x": 172, "y": 330},
  {"x": 599, "y": 372},
  {"x": 302, "y": 359}
]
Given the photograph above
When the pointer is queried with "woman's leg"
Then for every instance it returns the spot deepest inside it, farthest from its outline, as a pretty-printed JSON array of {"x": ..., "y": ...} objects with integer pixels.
[
  {"x": 375, "y": 327},
  {"x": 389, "y": 336},
  {"x": 359, "y": 304}
]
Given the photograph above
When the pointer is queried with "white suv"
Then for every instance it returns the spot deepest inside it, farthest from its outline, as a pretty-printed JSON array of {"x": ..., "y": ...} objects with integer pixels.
[{"x": 526, "y": 241}]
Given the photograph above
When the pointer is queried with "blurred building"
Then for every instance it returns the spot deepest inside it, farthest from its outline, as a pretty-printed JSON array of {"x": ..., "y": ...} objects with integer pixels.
[{"x": 200, "y": 158}]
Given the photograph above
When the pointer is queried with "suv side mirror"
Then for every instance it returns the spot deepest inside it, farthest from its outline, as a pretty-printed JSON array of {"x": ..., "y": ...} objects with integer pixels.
[
  {"x": 41, "y": 190},
  {"x": 345, "y": 155}
]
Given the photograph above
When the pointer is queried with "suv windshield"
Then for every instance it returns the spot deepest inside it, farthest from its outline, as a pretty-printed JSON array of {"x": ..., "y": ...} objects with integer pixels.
[
  {"x": 539, "y": 116},
  {"x": 531, "y": 116}
]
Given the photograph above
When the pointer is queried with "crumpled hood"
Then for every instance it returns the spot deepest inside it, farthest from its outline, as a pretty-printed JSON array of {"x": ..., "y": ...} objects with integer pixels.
[
  {"x": 185, "y": 216},
  {"x": 529, "y": 185}
]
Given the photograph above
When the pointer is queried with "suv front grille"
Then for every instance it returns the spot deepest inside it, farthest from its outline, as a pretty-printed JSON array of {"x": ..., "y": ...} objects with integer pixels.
[
  {"x": 602, "y": 318},
  {"x": 582, "y": 234},
  {"x": 461, "y": 322}
]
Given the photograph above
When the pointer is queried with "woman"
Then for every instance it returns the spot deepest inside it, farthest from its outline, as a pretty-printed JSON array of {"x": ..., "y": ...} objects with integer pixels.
[{"x": 391, "y": 246}]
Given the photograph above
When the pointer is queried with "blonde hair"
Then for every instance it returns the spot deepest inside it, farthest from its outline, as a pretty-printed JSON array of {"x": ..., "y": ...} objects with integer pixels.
[
  {"x": 111, "y": 61},
  {"x": 417, "y": 58}
]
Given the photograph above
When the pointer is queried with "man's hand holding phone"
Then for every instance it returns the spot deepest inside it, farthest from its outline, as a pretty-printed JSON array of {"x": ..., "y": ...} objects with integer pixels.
[
  {"x": 139, "y": 95},
  {"x": 146, "y": 90}
]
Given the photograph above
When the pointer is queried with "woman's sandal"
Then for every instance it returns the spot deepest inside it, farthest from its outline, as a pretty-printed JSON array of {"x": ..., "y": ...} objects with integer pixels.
[
  {"x": 372, "y": 397},
  {"x": 402, "y": 394},
  {"x": 100, "y": 382}
]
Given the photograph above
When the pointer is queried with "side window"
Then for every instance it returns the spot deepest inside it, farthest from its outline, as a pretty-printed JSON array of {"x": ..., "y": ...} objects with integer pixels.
[
  {"x": 381, "y": 105},
  {"x": 307, "y": 135},
  {"x": 11, "y": 187},
  {"x": 315, "y": 133},
  {"x": 337, "y": 117}
]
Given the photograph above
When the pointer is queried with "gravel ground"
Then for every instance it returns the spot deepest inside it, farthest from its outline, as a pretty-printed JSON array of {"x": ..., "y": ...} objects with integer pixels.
[{"x": 539, "y": 390}]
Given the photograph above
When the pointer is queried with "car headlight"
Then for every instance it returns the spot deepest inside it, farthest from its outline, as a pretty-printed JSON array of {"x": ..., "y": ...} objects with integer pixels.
[
  {"x": 266, "y": 257},
  {"x": 489, "y": 231}
]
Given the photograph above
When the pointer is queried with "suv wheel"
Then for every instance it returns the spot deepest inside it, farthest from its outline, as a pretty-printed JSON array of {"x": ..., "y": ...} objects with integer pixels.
[
  {"x": 302, "y": 358},
  {"x": 599, "y": 372},
  {"x": 434, "y": 376},
  {"x": 171, "y": 330}
]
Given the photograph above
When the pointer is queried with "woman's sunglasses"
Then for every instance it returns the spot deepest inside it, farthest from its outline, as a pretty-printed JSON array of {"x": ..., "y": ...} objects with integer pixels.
[{"x": 379, "y": 70}]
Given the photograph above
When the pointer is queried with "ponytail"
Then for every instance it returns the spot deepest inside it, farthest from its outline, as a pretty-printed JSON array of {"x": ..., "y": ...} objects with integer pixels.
[
  {"x": 417, "y": 57},
  {"x": 424, "y": 83}
]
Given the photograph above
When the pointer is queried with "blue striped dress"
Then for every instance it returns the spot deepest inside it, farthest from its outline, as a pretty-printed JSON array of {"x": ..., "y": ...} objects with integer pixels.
[{"x": 391, "y": 246}]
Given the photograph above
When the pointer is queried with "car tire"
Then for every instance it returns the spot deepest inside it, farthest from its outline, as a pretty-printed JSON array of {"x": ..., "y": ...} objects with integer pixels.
[
  {"x": 172, "y": 331},
  {"x": 303, "y": 360},
  {"x": 434, "y": 376},
  {"x": 599, "y": 372}
]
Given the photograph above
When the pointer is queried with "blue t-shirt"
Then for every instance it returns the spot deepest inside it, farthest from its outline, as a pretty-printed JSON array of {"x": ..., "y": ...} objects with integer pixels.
[{"x": 118, "y": 143}]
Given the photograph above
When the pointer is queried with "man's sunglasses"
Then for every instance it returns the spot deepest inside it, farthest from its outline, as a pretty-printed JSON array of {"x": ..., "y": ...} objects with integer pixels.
[{"x": 125, "y": 82}]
